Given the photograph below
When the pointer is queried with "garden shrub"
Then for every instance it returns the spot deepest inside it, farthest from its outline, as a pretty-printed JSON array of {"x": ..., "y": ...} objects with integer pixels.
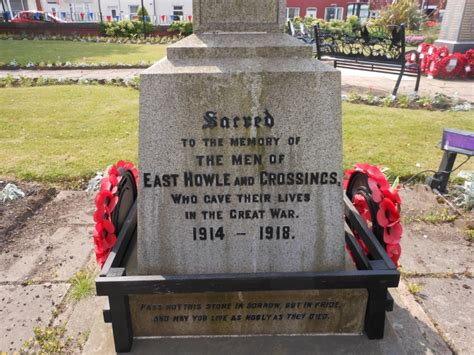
[
  {"x": 348, "y": 27},
  {"x": 124, "y": 28},
  {"x": 143, "y": 12},
  {"x": 184, "y": 27},
  {"x": 402, "y": 12}
]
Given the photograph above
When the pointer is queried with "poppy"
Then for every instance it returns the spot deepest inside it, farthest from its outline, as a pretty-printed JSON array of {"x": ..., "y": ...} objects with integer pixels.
[
  {"x": 394, "y": 251},
  {"x": 388, "y": 213},
  {"x": 393, "y": 235},
  {"x": 377, "y": 195}
]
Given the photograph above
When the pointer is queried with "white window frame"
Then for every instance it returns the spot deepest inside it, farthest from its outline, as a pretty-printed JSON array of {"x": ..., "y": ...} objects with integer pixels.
[
  {"x": 178, "y": 10},
  {"x": 133, "y": 14},
  {"x": 296, "y": 11},
  {"x": 315, "y": 9},
  {"x": 339, "y": 10}
]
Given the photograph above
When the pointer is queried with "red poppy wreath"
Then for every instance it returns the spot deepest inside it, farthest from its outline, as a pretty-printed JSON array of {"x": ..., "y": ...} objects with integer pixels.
[
  {"x": 105, "y": 202},
  {"x": 387, "y": 208}
]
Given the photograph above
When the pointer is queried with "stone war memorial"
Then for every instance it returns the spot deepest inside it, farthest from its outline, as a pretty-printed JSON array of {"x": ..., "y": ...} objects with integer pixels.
[{"x": 240, "y": 223}]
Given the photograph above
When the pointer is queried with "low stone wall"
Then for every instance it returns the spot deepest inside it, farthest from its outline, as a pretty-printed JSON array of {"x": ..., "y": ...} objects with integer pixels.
[{"x": 66, "y": 29}]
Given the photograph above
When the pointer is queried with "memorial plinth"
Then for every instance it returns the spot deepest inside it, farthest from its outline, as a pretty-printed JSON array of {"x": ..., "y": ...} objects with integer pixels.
[
  {"x": 457, "y": 29},
  {"x": 241, "y": 223},
  {"x": 240, "y": 158}
]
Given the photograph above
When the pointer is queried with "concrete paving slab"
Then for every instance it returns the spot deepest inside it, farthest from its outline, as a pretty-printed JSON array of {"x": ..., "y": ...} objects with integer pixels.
[
  {"x": 448, "y": 302},
  {"x": 411, "y": 324},
  {"x": 423, "y": 252},
  {"x": 101, "y": 342},
  {"x": 55, "y": 244},
  {"x": 24, "y": 307},
  {"x": 52, "y": 258},
  {"x": 82, "y": 316},
  {"x": 379, "y": 82},
  {"x": 81, "y": 216}
]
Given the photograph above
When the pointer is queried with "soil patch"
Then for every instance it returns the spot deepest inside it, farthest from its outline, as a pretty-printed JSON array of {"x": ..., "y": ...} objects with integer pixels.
[{"x": 13, "y": 214}]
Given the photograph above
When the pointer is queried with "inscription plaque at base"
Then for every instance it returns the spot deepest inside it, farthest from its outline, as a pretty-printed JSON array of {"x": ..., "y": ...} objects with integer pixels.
[{"x": 250, "y": 313}]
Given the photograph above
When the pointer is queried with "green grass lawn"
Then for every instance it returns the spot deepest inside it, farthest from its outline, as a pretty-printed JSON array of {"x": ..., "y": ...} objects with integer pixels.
[
  {"x": 78, "y": 52},
  {"x": 66, "y": 133}
]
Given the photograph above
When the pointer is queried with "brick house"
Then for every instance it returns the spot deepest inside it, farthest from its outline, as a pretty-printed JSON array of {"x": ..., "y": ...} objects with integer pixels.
[{"x": 340, "y": 9}]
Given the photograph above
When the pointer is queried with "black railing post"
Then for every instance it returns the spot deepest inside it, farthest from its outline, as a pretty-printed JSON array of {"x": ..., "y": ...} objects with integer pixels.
[
  {"x": 121, "y": 323},
  {"x": 375, "y": 313},
  {"x": 317, "y": 41}
]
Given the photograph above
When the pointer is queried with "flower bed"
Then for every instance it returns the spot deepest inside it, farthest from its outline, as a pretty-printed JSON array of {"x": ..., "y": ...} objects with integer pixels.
[
  {"x": 21, "y": 81},
  {"x": 173, "y": 37},
  {"x": 14, "y": 65},
  {"x": 440, "y": 102}
]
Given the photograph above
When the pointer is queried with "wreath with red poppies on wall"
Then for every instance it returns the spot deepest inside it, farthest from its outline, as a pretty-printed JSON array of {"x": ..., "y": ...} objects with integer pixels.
[
  {"x": 105, "y": 203},
  {"x": 379, "y": 206}
]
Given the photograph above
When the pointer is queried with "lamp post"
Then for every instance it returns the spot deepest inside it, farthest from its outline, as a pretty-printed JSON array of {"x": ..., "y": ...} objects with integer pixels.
[
  {"x": 100, "y": 13},
  {"x": 4, "y": 12},
  {"x": 143, "y": 19}
]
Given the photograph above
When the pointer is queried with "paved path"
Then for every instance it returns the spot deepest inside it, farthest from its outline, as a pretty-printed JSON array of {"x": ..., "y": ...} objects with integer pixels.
[
  {"x": 36, "y": 267},
  {"x": 384, "y": 83},
  {"x": 352, "y": 80}
]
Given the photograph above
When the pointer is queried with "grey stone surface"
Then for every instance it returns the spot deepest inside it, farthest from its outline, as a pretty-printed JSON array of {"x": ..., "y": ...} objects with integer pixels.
[
  {"x": 175, "y": 95},
  {"x": 24, "y": 307},
  {"x": 239, "y": 15},
  {"x": 232, "y": 45},
  {"x": 51, "y": 257},
  {"x": 414, "y": 326},
  {"x": 101, "y": 334},
  {"x": 448, "y": 302},
  {"x": 457, "y": 30},
  {"x": 424, "y": 252}
]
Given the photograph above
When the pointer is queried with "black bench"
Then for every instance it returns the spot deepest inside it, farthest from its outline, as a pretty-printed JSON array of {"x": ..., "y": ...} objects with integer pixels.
[{"x": 371, "y": 48}]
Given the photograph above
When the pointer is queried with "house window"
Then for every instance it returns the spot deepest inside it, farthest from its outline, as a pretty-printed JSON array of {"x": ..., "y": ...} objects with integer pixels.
[
  {"x": 333, "y": 13},
  {"x": 178, "y": 12},
  {"x": 311, "y": 12},
  {"x": 133, "y": 11},
  {"x": 359, "y": 10},
  {"x": 292, "y": 12}
]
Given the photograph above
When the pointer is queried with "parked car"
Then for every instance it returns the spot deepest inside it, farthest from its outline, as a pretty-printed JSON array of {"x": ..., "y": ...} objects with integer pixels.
[{"x": 35, "y": 17}]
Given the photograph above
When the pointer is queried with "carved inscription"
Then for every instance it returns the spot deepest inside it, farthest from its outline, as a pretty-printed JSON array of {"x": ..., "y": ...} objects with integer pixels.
[
  {"x": 251, "y": 147},
  {"x": 281, "y": 312}
]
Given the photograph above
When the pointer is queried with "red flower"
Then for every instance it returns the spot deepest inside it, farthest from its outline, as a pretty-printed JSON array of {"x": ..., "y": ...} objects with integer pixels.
[
  {"x": 361, "y": 205},
  {"x": 106, "y": 200},
  {"x": 394, "y": 251},
  {"x": 374, "y": 188},
  {"x": 393, "y": 235},
  {"x": 392, "y": 194},
  {"x": 388, "y": 213}
]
